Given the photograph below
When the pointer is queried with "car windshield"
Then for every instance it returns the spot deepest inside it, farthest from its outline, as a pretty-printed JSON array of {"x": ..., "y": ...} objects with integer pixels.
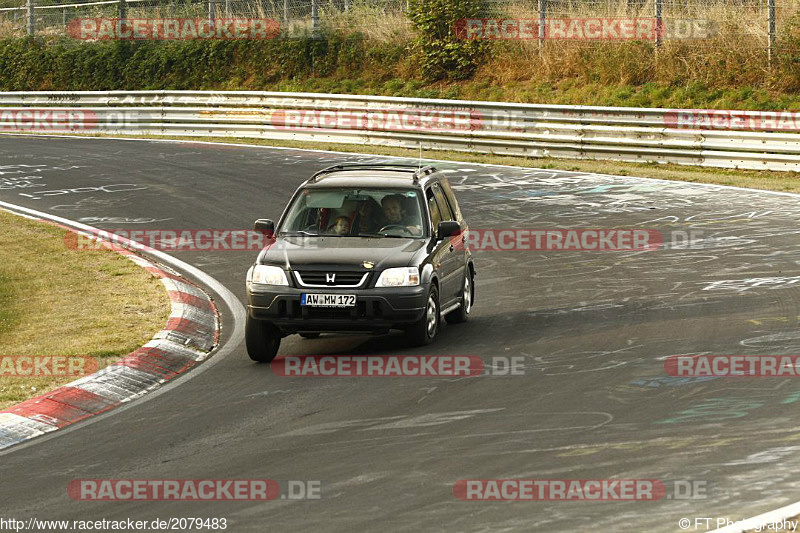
[{"x": 355, "y": 213}]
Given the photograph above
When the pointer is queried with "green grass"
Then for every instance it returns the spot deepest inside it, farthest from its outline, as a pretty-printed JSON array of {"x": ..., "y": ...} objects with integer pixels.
[
  {"x": 57, "y": 301},
  {"x": 568, "y": 92},
  {"x": 9, "y": 317},
  {"x": 624, "y": 75}
]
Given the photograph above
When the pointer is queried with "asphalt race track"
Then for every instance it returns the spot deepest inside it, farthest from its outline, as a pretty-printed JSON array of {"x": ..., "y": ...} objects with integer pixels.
[{"x": 594, "y": 328}]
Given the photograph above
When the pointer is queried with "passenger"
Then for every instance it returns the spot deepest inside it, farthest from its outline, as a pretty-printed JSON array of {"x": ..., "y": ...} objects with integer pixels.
[
  {"x": 341, "y": 226},
  {"x": 366, "y": 217}
]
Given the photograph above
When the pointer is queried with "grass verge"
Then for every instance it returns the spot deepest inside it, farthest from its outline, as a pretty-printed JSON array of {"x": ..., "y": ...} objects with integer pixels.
[
  {"x": 57, "y": 301},
  {"x": 731, "y": 73},
  {"x": 754, "y": 179}
]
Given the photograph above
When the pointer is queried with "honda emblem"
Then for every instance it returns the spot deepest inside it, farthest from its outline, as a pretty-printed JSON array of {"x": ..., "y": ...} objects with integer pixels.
[{"x": 330, "y": 278}]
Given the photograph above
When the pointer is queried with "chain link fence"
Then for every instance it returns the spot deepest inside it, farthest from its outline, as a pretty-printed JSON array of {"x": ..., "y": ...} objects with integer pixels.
[
  {"x": 382, "y": 19},
  {"x": 759, "y": 23}
]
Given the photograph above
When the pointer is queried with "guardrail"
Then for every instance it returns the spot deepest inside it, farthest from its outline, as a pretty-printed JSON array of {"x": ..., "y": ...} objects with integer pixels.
[{"x": 748, "y": 140}]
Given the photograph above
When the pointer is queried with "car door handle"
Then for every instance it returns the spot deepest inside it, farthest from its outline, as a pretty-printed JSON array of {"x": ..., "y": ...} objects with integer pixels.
[{"x": 452, "y": 247}]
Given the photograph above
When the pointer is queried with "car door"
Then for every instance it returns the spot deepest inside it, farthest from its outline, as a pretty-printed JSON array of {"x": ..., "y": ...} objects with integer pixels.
[
  {"x": 461, "y": 242},
  {"x": 441, "y": 248},
  {"x": 452, "y": 258}
]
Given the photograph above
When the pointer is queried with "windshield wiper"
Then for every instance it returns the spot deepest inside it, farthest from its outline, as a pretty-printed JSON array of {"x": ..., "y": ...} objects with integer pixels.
[
  {"x": 390, "y": 236},
  {"x": 299, "y": 232},
  {"x": 387, "y": 235}
]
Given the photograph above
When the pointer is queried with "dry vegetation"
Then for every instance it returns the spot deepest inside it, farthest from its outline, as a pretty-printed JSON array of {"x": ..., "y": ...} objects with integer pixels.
[
  {"x": 731, "y": 70},
  {"x": 56, "y": 301}
]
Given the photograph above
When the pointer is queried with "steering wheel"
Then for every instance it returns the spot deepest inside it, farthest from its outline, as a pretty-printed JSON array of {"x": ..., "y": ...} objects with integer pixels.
[{"x": 396, "y": 226}]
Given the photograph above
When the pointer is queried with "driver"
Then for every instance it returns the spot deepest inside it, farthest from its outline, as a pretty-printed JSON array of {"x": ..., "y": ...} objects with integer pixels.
[
  {"x": 393, "y": 209},
  {"x": 395, "y": 215}
]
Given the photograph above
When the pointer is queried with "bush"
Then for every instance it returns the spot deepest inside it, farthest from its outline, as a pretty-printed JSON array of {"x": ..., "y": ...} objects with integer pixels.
[
  {"x": 33, "y": 64},
  {"x": 443, "y": 54}
]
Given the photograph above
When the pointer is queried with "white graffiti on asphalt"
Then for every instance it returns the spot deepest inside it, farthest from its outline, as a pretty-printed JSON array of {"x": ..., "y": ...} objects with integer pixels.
[
  {"x": 121, "y": 187},
  {"x": 120, "y": 220},
  {"x": 21, "y": 182}
]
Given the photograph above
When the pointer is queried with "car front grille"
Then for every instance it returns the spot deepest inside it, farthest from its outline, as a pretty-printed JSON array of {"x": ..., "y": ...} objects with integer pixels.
[{"x": 331, "y": 279}]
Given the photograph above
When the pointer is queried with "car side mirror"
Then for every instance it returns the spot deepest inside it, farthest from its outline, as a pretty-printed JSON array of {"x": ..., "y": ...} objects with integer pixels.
[
  {"x": 265, "y": 225},
  {"x": 447, "y": 229}
]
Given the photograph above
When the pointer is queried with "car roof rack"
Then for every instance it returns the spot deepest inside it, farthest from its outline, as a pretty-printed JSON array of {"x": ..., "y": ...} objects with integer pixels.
[
  {"x": 424, "y": 171},
  {"x": 418, "y": 172}
]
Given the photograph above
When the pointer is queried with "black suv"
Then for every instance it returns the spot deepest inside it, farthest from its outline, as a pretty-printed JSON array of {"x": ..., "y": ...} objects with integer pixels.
[{"x": 361, "y": 248}]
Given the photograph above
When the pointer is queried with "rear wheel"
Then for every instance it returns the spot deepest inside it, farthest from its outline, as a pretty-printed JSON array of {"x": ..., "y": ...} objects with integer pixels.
[
  {"x": 462, "y": 313},
  {"x": 262, "y": 340},
  {"x": 424, "y": 331}
]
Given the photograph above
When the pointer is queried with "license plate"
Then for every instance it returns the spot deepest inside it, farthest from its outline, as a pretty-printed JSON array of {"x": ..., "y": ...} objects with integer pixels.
[{"x": 328, "y": 300}]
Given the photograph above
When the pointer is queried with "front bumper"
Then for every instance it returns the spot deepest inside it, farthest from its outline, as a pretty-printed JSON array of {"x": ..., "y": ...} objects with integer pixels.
[{"x": 376, "y": 309}]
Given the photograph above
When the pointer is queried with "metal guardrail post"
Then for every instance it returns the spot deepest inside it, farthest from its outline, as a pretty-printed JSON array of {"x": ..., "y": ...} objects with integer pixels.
[
  {"x": 31, "y": 19},
  {"x": 542, "y": 21},
  {"x": 659, "y": 24},
  {"x": 772, "y": 33}
]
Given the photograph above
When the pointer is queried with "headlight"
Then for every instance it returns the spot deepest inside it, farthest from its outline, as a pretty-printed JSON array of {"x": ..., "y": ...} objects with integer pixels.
[
  {"x": 267, "y": 275},
  {"x": 399, "y": 277}
]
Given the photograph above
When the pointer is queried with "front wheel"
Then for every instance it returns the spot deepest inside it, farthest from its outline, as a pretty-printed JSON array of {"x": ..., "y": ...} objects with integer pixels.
[
  {"x": 262, "y": 340},
  {"x": 467, "y": 297},
  {"x": 424, "y": 331}
]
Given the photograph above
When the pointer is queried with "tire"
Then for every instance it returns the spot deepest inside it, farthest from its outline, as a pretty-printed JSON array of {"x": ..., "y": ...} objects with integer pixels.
[
  {"x": 461, "y": 314},
  {"x": 262, "y": 340},
  {"x": 310, "y": 335},
  {"x": 424, "y": 331}
]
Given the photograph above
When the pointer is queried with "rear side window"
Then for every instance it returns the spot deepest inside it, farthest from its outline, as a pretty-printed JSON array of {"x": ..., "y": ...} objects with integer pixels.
[
  {"x": 444, "y": 209},
  {"x": 436, "y": 215},
  {"x": 451, "y": 198}
]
